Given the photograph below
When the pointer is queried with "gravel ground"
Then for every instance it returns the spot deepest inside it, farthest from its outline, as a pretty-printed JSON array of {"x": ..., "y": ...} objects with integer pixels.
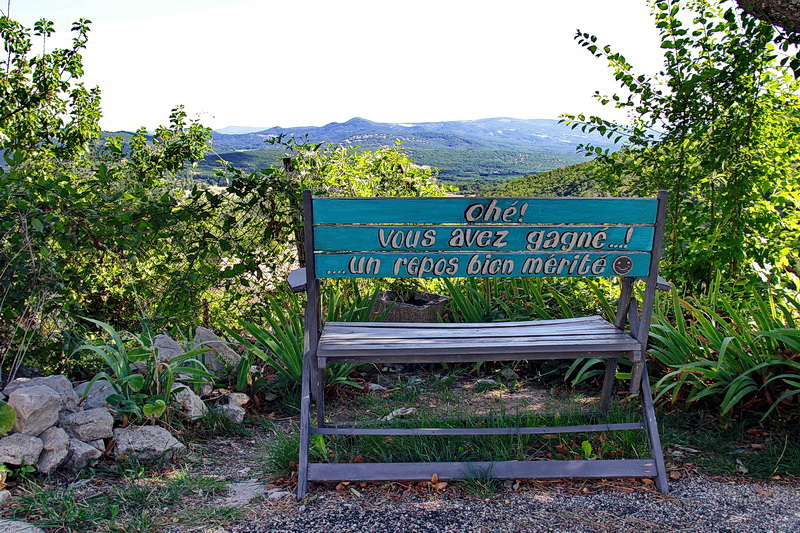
[{"x": 695, "y": 504}]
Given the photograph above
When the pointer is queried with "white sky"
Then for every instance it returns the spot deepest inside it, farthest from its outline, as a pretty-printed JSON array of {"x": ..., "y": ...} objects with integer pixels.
[{"x": 311, "y": 62}]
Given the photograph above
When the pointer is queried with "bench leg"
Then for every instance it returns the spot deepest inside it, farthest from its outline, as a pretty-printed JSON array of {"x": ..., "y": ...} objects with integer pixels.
[
  {"x": 653, "y": 439},
  {"x": 319, "y": 396},
  {"x": 608, "y": 385},
  {"x": 305, "y": 427}
]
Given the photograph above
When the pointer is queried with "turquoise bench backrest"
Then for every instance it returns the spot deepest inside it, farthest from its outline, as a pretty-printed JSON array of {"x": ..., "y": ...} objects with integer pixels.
[{"x": 483, "y": 237}]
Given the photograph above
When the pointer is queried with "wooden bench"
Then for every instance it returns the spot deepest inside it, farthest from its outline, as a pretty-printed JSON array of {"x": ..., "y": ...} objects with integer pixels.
[{"x": 478, "y": 237}]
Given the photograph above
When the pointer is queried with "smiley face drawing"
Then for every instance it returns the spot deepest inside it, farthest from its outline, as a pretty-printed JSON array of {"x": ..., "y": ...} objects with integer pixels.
[{"x": 622, "y": 265}]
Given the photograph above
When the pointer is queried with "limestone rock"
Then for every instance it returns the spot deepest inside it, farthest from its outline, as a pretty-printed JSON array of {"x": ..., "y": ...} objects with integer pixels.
[
  {"x": 238, "y": 398},
  {"x": 81, "y": 454},
  {"x": 59, "y": 383},
  {"x": 146, "y": 443},
  {"x": 98, "y": 394},
  {"x": 233, "y": 412},
  {"x": 100, "y": 444},
  {"x": 15, "y": 526},
  {"x": 89, "y": 425},
  {"x": 20, "y": 448},
  {"x": 233, "y": 408},
  {"x": 37, "y": 408},
  {"x": 55, "y": 451},
  {"x": 188, "y": 402},
  {"x": 205, "y": 390},
  {"x": 167, "y": 347},
  {"x": 222, "y": 358}
]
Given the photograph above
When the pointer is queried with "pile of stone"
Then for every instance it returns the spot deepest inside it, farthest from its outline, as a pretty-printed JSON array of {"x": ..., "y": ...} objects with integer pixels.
[
  {"x": 59, "y": 425},
  {"x": 53, "y": 431}
]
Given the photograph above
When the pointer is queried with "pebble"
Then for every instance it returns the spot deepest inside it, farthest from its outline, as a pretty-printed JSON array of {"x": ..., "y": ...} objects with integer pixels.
[{"x": 695, "y": 504}]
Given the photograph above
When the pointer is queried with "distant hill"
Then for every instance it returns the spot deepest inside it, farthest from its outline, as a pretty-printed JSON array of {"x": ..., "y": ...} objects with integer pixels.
[
  {"x": 537, "y": 135},
  {"x": 472, "y": 154}
]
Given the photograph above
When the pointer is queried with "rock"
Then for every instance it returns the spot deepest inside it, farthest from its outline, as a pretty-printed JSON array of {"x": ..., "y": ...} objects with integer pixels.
[
  {"x": 509, "y": 374},
  {"x": 37, "y": 408},
  {"x": 274, "y": 495},
  {"x": 20, "y": 448},
  {"x": 205, "y": 390},
  {"x": 100, "y": 444},
  {"x": 15, "y": 526},
  {"x": 374, "y": 387},
  {"x": 89, "y": 425},
  {"x": 4, "y": 497},
  {"x": 238, "y": 398},
  {"x": 231, "y": 411},
  {"x": 60, "y": 384},
  {"x": 167, "y": 347},
  {"x": 146, "y": 443},
  {"x": 81, "y": 454},
  {"x": 244, "y": 491},
  {"x": 188, "y": 402},
  {"x": 223, "y": 357},
  {"x": 55, "y": 450},
  {"x": 98, "y": 394}
]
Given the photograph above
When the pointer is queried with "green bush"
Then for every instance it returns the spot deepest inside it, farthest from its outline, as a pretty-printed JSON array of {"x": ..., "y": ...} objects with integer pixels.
[
  {"x": 143, "y": 383},
  {"x": 727, "y": 352}
]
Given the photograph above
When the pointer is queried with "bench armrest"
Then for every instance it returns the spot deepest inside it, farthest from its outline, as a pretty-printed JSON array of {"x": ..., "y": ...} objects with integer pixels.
[
  {"x": 663, "y": 285},
  {"x": 297, "y": 280}
]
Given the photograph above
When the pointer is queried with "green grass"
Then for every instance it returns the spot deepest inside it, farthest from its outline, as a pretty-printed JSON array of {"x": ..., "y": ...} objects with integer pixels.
[
  {"x": 282, "y": 453},
  {"x": 732, "y": 445},
  {"x": 134, "y": 502}
]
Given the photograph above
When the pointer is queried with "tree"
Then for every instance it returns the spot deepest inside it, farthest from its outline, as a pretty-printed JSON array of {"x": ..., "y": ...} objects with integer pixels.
[
  {"x": 81, "y": 220},
  {"x": 717, "y": 127}
]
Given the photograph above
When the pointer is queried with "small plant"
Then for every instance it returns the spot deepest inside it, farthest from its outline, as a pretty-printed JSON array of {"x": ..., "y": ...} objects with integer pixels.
[
  {"x": 143, "y": 384},
  {"x": 279, "y": 342},
  {"x": 404, "y": 288},
  {"x": 716, "y": 352},
  {"x": 480, "y": 483}
]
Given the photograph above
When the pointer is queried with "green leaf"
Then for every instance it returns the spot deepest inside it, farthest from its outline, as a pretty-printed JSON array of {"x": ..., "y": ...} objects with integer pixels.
[
  {"x": 586, "y": 446},
  {"x": 7, "y": 417},
  {"x": 155, "y": 409}
]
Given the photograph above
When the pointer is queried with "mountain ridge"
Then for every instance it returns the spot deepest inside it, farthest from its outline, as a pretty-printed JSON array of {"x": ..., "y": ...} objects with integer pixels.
[{"x": 500, "y": 133}]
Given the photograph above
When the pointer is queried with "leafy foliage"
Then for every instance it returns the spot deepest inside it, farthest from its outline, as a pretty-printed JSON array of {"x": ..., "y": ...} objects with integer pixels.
[
  {"x": 278, "y": 339},
  {"x": 574, "y": 180},
  {"x": 142, "y": 382},
  {"x": 730, "y": 354},
  {"x": 717, "y": 127}
]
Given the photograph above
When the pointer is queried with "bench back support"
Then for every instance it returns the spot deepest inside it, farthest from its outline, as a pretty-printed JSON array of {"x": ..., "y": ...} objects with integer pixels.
[{"x": 482, "y": 237}]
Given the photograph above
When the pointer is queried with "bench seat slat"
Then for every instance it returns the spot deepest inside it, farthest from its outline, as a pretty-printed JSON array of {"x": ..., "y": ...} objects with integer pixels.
[
  {"x": 355, "y": 343},
  {"x": 457, "y": 325},
  {"x": 354, "y": 331}
]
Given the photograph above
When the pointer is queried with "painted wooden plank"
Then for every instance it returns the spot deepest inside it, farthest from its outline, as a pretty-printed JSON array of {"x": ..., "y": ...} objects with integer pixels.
[
  {"x": 473, "y": 356},
  {"x": 486, "y": 346},
  {"x": 355, "y": 332},
  {"x": 562, "y": 239},
  {"x": 495, "y": 469},
  {"x": 580, "y": 321},
  {"x": 455, "y": 210},
  {"x": 466, "y": 264},
  {"x": 333, "y": 342},
  {"x": 543, "y": 430}
]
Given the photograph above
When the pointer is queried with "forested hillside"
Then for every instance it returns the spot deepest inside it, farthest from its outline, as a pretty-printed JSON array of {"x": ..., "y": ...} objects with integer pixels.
[{"x": 573, "y": 180}]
